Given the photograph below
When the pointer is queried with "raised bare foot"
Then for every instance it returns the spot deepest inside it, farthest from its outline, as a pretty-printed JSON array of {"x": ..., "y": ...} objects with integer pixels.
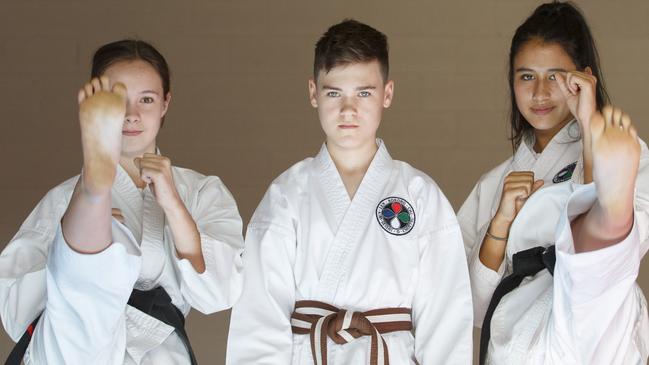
[
  {"x": 616, "y": 156},
  {"x": 101, "y": 115}
]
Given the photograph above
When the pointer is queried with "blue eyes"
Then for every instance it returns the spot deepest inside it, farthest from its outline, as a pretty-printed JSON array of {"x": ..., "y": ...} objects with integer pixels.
[{"x": 335, "y": 94}]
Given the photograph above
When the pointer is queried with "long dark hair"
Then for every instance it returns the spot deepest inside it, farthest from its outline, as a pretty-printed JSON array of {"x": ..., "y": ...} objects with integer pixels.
[
  {"x": 131, "y": 50},
  {"x": 565, "y": 25}
]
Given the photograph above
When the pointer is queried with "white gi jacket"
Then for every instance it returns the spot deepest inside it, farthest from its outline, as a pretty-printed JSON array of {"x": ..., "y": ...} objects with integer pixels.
[
  {"x": 591, "y": 311},
  {"x": 308, "y": 241},
  {"x": 83, "y": 297}
]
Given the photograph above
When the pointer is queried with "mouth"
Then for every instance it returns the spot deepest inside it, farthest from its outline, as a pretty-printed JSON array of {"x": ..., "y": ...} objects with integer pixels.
[
  {"x": 131, "y": 133},
  {"x": 542, "y": 110},
  {"x": 347, "y": 126}
]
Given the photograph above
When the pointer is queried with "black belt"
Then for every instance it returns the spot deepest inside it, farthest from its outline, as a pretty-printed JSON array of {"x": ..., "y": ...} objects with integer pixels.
[
  {"x": 155, "y": 303},
  {"x": 525, "y": 263}
]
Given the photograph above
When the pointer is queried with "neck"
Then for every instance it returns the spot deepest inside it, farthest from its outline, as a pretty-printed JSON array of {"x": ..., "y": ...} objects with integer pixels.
[
  {"x": 352, "y": 164},
  {"x": 352, "y": 160},
  {"x": 543, "y": 137}
]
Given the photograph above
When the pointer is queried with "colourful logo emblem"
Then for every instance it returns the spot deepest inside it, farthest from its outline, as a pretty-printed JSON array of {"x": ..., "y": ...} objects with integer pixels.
[
  {"x": 395, "y": 215},
  {"x": 565, "y": 174}
]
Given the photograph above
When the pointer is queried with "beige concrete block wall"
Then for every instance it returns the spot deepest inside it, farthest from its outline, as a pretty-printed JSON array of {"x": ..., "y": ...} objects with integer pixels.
[{"x": 240, "y": 108}]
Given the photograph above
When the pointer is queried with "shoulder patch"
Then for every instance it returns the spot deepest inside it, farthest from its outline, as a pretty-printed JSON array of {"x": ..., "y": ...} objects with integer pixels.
[
  {"x": 395, "y": 215},
  {"x": 565, "y": 174}
]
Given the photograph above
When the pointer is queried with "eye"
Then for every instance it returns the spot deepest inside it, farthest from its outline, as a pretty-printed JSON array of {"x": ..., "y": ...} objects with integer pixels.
[
  {"x": 552, "y": 77},
  {"x": 332, "y": 94},
  {"x": 147, "y": 100},
  {"x": 527, "y": 77},
  {"x": 364, "y": 94}
]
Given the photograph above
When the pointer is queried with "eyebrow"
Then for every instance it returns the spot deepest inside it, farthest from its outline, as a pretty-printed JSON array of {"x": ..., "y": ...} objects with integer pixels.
[
  {"x": 357, "y": 89},
  {"x": 149, "y": 92},
  {"x": 524, "y": 69}
]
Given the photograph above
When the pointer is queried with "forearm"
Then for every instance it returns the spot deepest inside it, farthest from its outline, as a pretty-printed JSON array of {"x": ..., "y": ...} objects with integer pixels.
[
  {"x": 492, "y": 250},
  {"x": 588, "y": 158},
  {"x": 186, "y": 237},
  {"x": 86, "y": 224}
]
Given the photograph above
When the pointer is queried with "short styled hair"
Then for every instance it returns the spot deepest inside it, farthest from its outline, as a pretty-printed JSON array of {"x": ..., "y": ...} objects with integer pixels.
[{"x": 351, "y": 42}]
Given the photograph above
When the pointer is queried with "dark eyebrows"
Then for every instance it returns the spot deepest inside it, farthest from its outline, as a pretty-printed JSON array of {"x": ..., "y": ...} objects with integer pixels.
[
  {"x": 150, "y": 92},
  {"x": 524, "y": 69},
  {"x": 331, "y": 88},
  {"x": 357, "y": 89}
]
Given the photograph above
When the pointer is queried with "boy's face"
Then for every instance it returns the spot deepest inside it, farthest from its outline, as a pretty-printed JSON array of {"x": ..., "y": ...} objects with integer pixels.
[{"x": 350, "y": 100}]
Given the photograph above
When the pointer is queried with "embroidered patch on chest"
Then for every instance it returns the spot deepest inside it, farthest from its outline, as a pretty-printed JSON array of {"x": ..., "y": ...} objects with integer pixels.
[
  {"x": 565, "y": 174},
  {"x": 395, "y": 216}
]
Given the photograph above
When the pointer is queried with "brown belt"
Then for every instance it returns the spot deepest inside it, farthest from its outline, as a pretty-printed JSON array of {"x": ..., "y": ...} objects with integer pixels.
[{"x": 320, "y": 320}]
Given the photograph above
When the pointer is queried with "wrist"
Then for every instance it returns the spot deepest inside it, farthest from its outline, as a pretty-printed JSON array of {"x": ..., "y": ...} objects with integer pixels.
[
  {"x": 499, "y": 227},
  {"x": 173, "y": 206}
]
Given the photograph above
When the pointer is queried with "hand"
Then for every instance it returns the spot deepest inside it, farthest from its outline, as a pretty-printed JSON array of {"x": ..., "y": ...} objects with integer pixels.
[
  {"x": 579, "y": 89},
  {"x": 155, "y": 170},
  {"x": 518, "y": 186}
]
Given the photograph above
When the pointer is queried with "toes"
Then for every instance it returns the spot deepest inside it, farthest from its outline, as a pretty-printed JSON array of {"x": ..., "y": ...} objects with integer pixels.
[
  {"x": 633, "y": 132},
  {"x": 625, "y": 122},
  {"x": 96, "y": 85},
  {"x": 88, "y": 89},
  {"x": 120, "y": 89},
  {"x": 617, "y": 118},
  {"x": 81, "y": 96},
  {"x": 607, "y": 111},
  {"x": 105, "y": 83}
]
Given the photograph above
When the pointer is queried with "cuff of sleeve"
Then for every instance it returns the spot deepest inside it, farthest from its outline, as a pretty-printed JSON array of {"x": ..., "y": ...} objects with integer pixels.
[
  {"x": 592, "y": 273},
  {"x": 483, "y": 283},
  {"x": 113, "y": 269},
  {"x": 219, "y": 286}
]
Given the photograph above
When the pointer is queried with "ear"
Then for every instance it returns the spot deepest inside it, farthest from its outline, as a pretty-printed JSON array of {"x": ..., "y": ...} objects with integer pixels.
[
  {"x": 313, "y": 93},
  {"x": 588, "y": 70},
  {"x": 388, "y": 93},
  {"x": 166, "y": 102}
]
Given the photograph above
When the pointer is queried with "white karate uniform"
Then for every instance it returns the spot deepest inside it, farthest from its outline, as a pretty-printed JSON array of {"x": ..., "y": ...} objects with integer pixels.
[
  {"x": 83, "y": 296},
  {"x": 591, "y": 311},
  {"x": 308, "y": 241}
]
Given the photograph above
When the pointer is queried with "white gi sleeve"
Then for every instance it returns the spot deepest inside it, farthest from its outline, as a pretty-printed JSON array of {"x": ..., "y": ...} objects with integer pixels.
[
  {"x": 219, "y": 224},
  {"x": 84, "y": 317},
  {"x": 260, "y": 326},
  {"x": 483, "y": 280},
  {"x": 598, "y": 309},
  {"x": 442, "y": 307},
  {"x": 22, "y": 264}
]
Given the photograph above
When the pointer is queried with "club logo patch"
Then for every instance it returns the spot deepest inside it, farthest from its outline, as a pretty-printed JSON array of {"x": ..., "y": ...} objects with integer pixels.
[
  {"x": 395, "y": 216},
  {"x": 565, "y": 174}
]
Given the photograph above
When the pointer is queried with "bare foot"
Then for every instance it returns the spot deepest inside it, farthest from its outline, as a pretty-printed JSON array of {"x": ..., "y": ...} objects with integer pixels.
[
  {"x": 616, "y": 156},
  {"x": 101, "y": 115}
]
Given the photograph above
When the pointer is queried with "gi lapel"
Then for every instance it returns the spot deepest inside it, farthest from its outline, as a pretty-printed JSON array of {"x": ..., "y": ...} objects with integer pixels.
[
  {"x": 355, "y": 220},
  {"x": 145, "y": 219},
  {"x": 153, "y": 251},
  {"x": 128, "y": 199}
]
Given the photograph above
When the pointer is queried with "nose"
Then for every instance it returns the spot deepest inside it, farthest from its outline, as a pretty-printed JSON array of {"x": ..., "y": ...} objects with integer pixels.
[
  {"x": 348, "y": 108},
  {"x": 541, "y": 90},
  {"x": 132, "y": 115}
]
